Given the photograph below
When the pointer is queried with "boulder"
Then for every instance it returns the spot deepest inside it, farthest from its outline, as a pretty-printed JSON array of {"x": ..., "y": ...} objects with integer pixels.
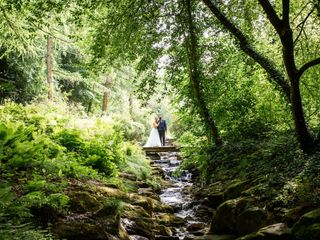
[
  {"x": 140, "y": 226},
  {"x": 128, "y": 176},
  {"x": 235, "y": 188},
  {"x": 215, "y": 237},
  {"x": 162, "y": 208},
  {"x": 112, "y": 192},
  {"x": 308, "y": 226},
  {"x": 82, "y": 202},
  {"x": 278, "y": 231},
  {"x": 159, "y": 237},
  {"x": 137, "y": 237},
  {"x": 137, "y": 221},
  {"x": 79, "y": 231},
  {"x": 292, "y": 215},
  {"x": 163, "y": 230},
  {"x": 145, "y": 202},
  {"x": 250, "y": 220},
  {"x": 213, "y": 200},
  {"x": 211, "y": 196},
  {"x": 148, "y": 192},
  {"x": 195, "y": 226},
  {"x": 134, "y": 211},
  {"x": 158, "y": 171},
  {"x": 168, "y": 219},
  {"x": 86, "y": 227},
  {"x": 225, "y": 219}
]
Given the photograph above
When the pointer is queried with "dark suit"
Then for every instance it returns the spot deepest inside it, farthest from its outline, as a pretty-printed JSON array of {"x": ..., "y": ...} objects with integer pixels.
[{"x": 162, "y": 128}]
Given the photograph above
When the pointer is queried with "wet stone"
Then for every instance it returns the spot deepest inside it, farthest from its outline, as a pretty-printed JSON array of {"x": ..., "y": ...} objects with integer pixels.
[
  {"x": 196, "y": 226},
  {"x": 159, "y": 237},
  {"x": 137, "y": 237},
  {"x": 175, "y": 195}
]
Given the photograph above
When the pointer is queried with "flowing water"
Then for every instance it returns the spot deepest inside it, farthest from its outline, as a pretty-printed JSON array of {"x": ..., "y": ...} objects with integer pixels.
[{"x": 176, "y": 196}]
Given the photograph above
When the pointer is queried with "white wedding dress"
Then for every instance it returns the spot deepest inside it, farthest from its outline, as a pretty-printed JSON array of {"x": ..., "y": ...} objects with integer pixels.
[{"x": 154, "y": 139}]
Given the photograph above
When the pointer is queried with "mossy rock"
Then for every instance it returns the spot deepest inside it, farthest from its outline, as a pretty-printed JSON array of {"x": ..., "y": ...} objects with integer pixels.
[
  {"x": 235, "y": 188},
  {"x": 145, "y": 202},
  {"x": 215, "y": 237},
  {"x": 79, "y": 231},
  {"x": 83, "y": 228},
  {"x": 162, "y": 208},
  {"x": 225, "y": 219},
  {"x": 214, "y": 200},
  {"x": 211, "y": 196},
  {"x": 163, "y": 230},
  {"x": 250, "y": 220},
  {"x": 134, "y": 212},
  {"x": 128, "y": 176},
  {"x": 278, "y": 231},
  {"x": 168, "y": 219},
  {"x": 308, "y": 226},
  {"x": 160, "y": 237},
  {"x": 148, "y": 192},
  {"x": 108, "y": 209},
  {"x": 82, "y": 202},
  {"x": 112, "y": 192},
  {"x": 142, "y": 226}
]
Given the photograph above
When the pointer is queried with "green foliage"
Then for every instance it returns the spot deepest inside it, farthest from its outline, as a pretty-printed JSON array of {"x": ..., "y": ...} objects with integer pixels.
[
  {"x": 131, "y": 129},
  {"x": 23, "y": 231},
  {"x": 43, "y": 148},
  {"x": 70, "y": 138},
  {"x": 113, "y": 206}
]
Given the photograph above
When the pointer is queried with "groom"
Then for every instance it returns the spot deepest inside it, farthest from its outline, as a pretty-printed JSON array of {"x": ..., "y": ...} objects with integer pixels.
[{"x": 162, "y": 128}]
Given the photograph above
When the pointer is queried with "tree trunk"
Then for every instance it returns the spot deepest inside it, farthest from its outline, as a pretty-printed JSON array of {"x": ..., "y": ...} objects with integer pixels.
[
  {"x": 49, "y": 66},
  {"x": 292, "y": 90},
  {"x": 303, "y": 134},
  {"x": 89, "y": 109},
  {"x": 106, "y": 94},
  {"x": 130, "y": 104},
  {"x": 285, "y": 33},
  {"x": 194, "y": 73}
]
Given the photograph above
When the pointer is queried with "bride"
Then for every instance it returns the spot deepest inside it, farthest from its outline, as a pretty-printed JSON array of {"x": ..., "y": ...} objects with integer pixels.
[{"x": 154, "y": 137}]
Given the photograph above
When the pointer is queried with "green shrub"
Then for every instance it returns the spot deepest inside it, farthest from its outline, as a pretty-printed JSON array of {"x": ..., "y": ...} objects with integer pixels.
[{"x": 43, "y": 147}]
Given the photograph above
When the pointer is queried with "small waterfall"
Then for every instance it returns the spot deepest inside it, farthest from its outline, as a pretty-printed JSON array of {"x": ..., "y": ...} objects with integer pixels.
[{"x": 180, "y": 200}]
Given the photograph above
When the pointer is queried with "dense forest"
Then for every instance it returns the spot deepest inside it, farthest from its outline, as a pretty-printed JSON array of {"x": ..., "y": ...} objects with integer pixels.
[{"x": 237, "y": 82}]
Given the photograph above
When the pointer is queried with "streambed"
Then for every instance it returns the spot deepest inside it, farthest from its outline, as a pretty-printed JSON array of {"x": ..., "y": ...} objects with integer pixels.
[{"x": 177, "y": 195}]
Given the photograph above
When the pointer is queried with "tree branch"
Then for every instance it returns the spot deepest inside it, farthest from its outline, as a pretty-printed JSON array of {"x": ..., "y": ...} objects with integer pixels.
[
  {"x": 301, "y": 25},
  {"x": 272, "y": 15},
  {"x": 275, "y": 75},
  {"x": 308, "y": 65},
  {"x": 13, "y": 27},
  {"x": 285, "y": 11}
]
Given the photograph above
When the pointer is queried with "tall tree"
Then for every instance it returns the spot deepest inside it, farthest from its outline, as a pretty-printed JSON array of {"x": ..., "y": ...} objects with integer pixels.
[
  {"x": 49, "y": 66},
  {"x": 106, "y": 94},
  {"x": 289, "y": 85},
  {"x": 195, "y": 74}
]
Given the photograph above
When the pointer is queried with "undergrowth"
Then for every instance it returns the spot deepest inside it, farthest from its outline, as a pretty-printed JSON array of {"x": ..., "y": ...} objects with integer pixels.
[
  {"x": 282, "y": 175},
  {"x": 43, "y": 146}
]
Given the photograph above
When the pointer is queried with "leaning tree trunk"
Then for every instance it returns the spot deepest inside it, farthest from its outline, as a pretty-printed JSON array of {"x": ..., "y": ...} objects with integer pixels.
[
  {"x": 194, "y": 72},
  {"x": 283, "y": 28},
  {"x": 292, "y": 90}
]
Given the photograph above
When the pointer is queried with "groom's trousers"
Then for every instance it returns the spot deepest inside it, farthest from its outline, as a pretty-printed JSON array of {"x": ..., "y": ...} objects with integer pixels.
[{"x": 162, "y": 134}]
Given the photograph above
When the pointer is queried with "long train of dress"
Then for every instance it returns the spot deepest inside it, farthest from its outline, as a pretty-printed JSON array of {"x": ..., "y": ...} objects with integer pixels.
[{"x": 154, "y": 139}]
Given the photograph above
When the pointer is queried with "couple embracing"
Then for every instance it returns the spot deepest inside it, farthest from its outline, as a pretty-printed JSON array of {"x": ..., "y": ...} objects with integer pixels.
[{"x": 157, "y": 135}]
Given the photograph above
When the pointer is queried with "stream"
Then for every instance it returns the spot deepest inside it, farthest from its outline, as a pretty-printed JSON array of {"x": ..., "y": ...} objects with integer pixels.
[{"x": 177, "y": 196}]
